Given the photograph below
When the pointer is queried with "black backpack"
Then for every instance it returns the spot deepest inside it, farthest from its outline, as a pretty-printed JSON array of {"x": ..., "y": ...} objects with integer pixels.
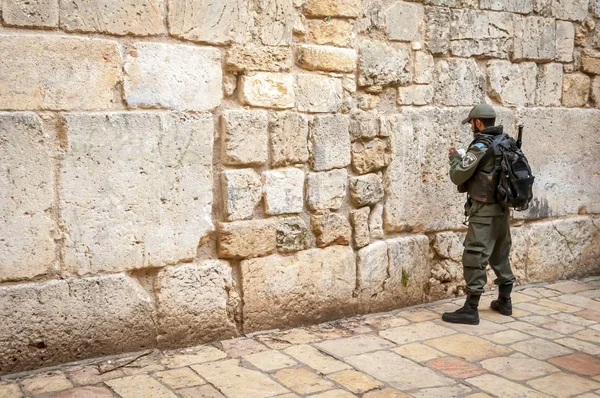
[{"x": 515, "y": 181}]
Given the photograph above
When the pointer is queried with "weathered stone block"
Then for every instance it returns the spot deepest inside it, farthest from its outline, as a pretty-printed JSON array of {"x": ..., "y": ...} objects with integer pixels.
[
  {"x": 363, "y": 125},
  {"x": 595, "y": 91},
  {"x": 268, "y": 90},
  {"x": 512, "y": 84},
  {"x": 274, "y": 20},
  {"x": 244, "y": 137},
  {"x": 376, "y": 222},
  {"x": 332, "y": 8},
  {"x": 242, "y": 191},
  {"x": 549, "y": 85},
  {"x": 310, "y": 286},
  {"x": 195, "y": 294},
  {"x": 330, "y": 142},
  {"x": 595, "y": 8},
  {"x": 366, "y": 190},
  {"x": 258, "y": 58},
  {"x": 284, "y": 191},
  {"x": 331, "y": 229},
  {"x": 288, "y": 138},
  {"x": 424, "y": 67},
  {"x": 458, "y": 82},
  {"x": 41, "y": 13},
  {"x": 404, "y": 21},
  {"x": 565, "y": 41},
  {"x": 518, "y": 6},
  {"x": 373, "y": 266},
  {"x": 229, "y": 84},
  {"x": 327, "y": 190},
  {"x": 317, "y": 93},
  {"x": 57, "y": 73},
  {"x": 415, "y": 95},
  {"x": 171, "y": 76},
  {"x": 292, "y": 235},
  {"x": 244, "y": 239},
  {"x": 334, "y": 31},
  {"x": 576, "y": 90},
  {"x": 112, "y": 311},
  {"x": 535, "y": 39},
  {"x": 571, "y": 10},
  {"x": 326, "y": 58},
  {"x": 140, "y": 18},
  {"x": 556, "y": 192},
  {"x": 381, "y": 64},
  {"x": 146, "y": 175},
  {"x": 590, "y": 62},
  {"x": 437, "y": 34},
  {"x": 371, "y": 155},
  {"x": 217, "y": 22},
  {"x": 27, "y": 229},
  {"x": 360, "y": 226},
  {"x": 475, "y": 32}
]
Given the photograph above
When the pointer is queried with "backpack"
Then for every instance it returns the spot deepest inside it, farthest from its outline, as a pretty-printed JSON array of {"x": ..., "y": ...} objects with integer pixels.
[{"x": 515, "y": 181}]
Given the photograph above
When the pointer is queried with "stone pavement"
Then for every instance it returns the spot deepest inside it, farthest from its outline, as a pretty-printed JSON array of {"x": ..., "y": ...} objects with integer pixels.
[{"x": 550, "y": 347}]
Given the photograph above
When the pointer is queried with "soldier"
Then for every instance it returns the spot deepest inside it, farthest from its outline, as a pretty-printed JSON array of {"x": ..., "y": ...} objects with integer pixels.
[{"x": 488, "y": 235}]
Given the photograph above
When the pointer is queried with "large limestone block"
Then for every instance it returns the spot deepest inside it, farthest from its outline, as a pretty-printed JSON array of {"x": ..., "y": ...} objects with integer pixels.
[
  {"x": 458, "y": 82},
  {"x": 292, "y": 235},
  {"x": 372, "y": 267},
  {"x": 242, "y": 191},
  {"x": 366, "y": 189},
  {"x": 331, "y": 229},
  {"x": 590, "y": 62},
  {"x": 535, "y": 39},
  {"x": 316, "y": 93},
  {"x": 274, "y": 20},
  {"x": 310, "y": 286},
  {"x": 565, "y": 41},
  {"x": 40, "y": 13},
  {"x": 595, "y": 91},
  {"x": 244, "y": 137},
  {"x": 283, "y": 191},
  {"x": 518, "y": 6},
  {"x": 140, "y": 17},
  {"x": 363, "y": 125},
  {"x": 72, "y": 319},
  {"x": 562, "y": 186},
  {"x": 243, "y": 239},
  {"x": 268, "y": 90},
  {"x": 437, "y": 33},
  {"x": 562, "y": 249},
  {"x": 332, "y": 8},
  {"x": 179, "y": 77},
  {"x": 330, "y": 141},
  {"x": 549, "y": 85},
  {"x": 327, "y": 190},
  {"x": 326, "y": 58},
  {"x": 475, "y": 32},
  {"x": 382, "y": 64},
  {"x": 360, "y": 226},
  {"x": 136, "y": 189},
  {"x": 27, "y": 228},
  {"x": 192, "y": 303},
  {"x": 371, "y": 155},
  {"x": 57, "y": 73},
  {"x": 576, "y": 90},
  {"x": 415, "y": 95},
  {"x": 424, "y": 67},
  {"x": 512, "y": 84},
  {"x": 571, "y": 10},
  {"x": 258, "y": 58},
  {"x": 334, "y": 31},
  {"x": 216, "y": 22},
  {"x": 404, "y": 21},
  {"x": 288, "y": 138}
]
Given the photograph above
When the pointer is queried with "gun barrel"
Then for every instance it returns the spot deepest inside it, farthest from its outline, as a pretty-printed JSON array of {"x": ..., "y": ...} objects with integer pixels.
[{"x": 520, "y": 136}]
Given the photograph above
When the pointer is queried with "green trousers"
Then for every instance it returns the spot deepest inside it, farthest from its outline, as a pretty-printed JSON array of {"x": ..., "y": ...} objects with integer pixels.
[{"x": 487, "y": 241}]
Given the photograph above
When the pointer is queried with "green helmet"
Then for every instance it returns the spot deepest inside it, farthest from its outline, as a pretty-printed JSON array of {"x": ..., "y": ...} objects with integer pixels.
[{"x": 481, "y": 111}]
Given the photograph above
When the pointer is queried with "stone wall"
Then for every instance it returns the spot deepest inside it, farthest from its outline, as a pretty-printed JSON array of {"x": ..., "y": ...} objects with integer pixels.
[{"x": 179, "y": 171}]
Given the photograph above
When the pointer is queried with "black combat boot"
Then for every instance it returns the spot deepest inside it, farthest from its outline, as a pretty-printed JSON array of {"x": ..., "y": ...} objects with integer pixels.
[
  {"x": 503, "y": 305},
  {"x": 468, "y": 314}
]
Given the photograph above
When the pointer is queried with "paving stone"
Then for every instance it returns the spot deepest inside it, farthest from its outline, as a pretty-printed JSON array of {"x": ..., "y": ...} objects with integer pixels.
[
  {"x": 580, "y": 301},
  {"x": 562, "y": 327},
  {"x": 380, "y": 322},
  {"x": 455, "y": 367},
  {"x": 536, "y": 309},
  {"x": 493, "y": 316},
  {"x": 451, "y": 391},
  {"x": 303, "y": 381},
  {"x": 518, "y": 368},
  {"x": 141, "y": 386},
  {"x": 417, "y": 332},
  {"x": 484, "y": 327},
  {"x": 418, "y": 315},
  {"x": 563, "y": 385},
  {"x": 327, "y": 190},
  {"x": 315, "y": 359},
  {"x": 297, "y": 336},
  {"x": 355, "y": 381},
  {"x": 507, "y": 337},
  {"x": 540, "y": 349},
  {"x": 245, "y": 137},
  {"x": 334, "y": 394},
  {"x": 205, "y": 391},
  {"x": 418, "y": 352},
  {"x": 242, "y": 191},
  {"x": 588, "y": 335},
  {"x": 283, "y": 191},
  {"x": 400, "y": 373},
  {"x": 354, "y": 345},
  {"x": 568, "y": 287},
  {"x": 10, "y": 390},
  {"x": 500, "y": 387},
  {"x": 386, "y": 393},
  {"x": 267, "y": 90},
  {"x": 582, "y": 364},
  {"x": 478, "y": 395},
  {"x": 533, "y": 330},
  {"x": 537, "y": 292},
  {"x": 269, "y": 361},
  {"x": 179, "y": 378},
  {"x": 81, "y": 392},
  {"x": 330, "y": 142},
  {"x": 557, "y": 305},
  {"x": 87, "y": 375},
  {"x": 318, "y": 94},
  {"x": 288, "y": 138},
  {"x": 235, "y": 381},
  {"x": 589, "y": 314},
  {"x": 201, "y": 354},
  {"x": 470, "y": 348},
  {"x": 579, "y": 345},
  {"x": 236, "y": 348}
]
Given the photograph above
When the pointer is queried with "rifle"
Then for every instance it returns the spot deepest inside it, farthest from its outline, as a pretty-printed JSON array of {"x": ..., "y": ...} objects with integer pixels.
[{"x": 520, "y": 136}]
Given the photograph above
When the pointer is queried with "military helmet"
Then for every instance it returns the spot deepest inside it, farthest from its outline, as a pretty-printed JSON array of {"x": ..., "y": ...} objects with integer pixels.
[{"x": 481, "y": 111}]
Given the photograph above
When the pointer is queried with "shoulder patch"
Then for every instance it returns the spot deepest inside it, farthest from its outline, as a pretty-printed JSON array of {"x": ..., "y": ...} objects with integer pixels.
[
  {"x": 468, "y": 160},
  {"x": 480, "y": 145}
]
